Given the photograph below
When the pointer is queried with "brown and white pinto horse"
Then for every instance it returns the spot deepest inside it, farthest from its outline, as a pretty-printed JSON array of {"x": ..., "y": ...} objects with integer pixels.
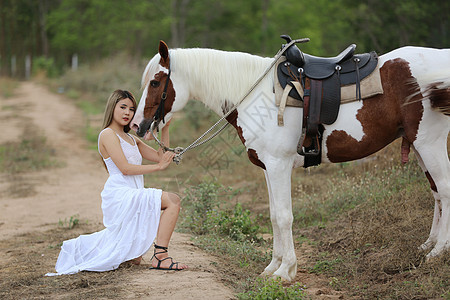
[{"x": 413, "y": 75}]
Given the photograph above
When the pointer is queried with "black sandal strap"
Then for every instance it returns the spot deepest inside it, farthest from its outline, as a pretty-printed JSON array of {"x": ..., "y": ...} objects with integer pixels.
[
  {"x": 164, "y": 250},
  {"x": 161, "y": 247}
]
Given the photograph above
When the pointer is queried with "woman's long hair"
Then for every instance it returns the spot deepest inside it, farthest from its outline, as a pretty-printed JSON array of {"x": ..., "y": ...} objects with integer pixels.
[{"x": 115, "y": 97}]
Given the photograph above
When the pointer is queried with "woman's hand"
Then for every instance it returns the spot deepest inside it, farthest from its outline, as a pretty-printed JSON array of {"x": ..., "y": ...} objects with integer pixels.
[{"x": 166, "y": 159}]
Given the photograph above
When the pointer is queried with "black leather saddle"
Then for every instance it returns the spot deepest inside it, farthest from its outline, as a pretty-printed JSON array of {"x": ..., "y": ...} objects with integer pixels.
[
  {"x": 321, "y": 79},
  {"x": 323, "y": 68}
]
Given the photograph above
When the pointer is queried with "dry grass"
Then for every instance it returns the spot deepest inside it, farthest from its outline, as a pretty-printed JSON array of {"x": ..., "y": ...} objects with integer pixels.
[
  {"x": 369, "y": 221},
  {"x": 30, "y": 256},
  {"x": 32, "y": 153}
]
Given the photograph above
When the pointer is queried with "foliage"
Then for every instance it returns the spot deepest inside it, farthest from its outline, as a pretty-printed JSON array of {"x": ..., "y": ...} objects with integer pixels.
[
  {"x": 199, "y": 201},
  {"x": 273, "y": 289},
  {"x": 231, "y": 234},
  {"x": 46, "y": 65},
  {"x": 236, "y": 224},
  {"x": 57, "y": 29},
  {"x": 69, "y": 224},
  {"x": 203, "y": 214}
]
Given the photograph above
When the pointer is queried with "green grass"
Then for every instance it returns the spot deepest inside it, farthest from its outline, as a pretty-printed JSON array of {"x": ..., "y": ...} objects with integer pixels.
[
  {"x": 272, "y": 289},
  {"x": 70, "y": 223}
]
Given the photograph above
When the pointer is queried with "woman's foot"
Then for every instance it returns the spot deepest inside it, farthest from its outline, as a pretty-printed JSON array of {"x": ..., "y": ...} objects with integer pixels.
[
  {"x": 136, "y": 261},
  {"x": 133, "y": 262},
  {"x": 161, "y": 260}
]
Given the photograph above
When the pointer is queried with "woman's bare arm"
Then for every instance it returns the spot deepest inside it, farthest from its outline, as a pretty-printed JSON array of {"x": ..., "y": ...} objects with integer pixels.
[{"x": 110, "y": 147}]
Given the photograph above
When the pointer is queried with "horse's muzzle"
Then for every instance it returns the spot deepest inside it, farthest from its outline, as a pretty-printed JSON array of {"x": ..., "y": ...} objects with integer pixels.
[{"x": 144, "y": 127}]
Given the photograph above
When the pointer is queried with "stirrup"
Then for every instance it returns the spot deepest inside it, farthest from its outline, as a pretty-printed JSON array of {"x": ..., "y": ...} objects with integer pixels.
[{"x": 158, "y": 267}]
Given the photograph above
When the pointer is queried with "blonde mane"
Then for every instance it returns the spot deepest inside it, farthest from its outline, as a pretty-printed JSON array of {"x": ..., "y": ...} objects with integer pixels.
[{"x": 215, "y": 77}]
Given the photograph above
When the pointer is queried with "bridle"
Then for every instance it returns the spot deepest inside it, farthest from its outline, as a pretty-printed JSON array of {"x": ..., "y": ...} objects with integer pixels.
[{"x": 159, "y": 114}]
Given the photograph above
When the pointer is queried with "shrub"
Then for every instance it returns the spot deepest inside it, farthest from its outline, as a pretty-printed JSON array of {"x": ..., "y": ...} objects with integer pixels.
[
  {"x": 46, "y": 65},
  {"x": 203, "y": 214},
  {"x": 236, "y": 224}
]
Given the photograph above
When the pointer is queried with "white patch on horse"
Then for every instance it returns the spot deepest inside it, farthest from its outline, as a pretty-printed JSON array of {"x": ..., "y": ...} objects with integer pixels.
[{"x": 348, "y": 122}]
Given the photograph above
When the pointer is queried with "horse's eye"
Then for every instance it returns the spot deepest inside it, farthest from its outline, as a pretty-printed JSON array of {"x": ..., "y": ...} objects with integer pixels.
[{"x": 154, "y": 83}]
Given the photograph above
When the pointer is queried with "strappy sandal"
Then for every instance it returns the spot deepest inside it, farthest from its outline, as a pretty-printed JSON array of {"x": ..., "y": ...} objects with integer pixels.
[{"x": 158, "y": 267}]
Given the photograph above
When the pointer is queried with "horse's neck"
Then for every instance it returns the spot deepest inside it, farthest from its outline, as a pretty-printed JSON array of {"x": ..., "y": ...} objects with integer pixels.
[{"x": 225, "y": 80}]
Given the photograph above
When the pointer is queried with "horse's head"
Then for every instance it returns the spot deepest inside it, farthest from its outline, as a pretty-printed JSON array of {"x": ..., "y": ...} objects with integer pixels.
[{"x": 158, "y": 98}]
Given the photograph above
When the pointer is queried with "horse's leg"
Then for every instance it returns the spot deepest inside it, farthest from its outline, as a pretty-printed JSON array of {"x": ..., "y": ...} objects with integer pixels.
[
  {"x": 432, "y": 239},
  {"x": 277, "y": 254},
  {"x": 278, "y": 172},
  {"x": 431, "y": 146}
]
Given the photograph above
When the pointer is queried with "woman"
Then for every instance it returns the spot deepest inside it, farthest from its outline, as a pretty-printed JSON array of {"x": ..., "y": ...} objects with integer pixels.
[{"x": 131, "y": 213}]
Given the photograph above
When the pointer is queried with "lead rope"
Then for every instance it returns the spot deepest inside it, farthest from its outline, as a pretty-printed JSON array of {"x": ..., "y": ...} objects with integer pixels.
[{"x": 180, "y": 151}]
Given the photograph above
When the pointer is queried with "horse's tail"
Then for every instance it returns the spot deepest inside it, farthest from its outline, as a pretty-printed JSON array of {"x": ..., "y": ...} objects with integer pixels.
[
  {"x": 439, "y": 94},
  {"x": 436, "y": 88}
]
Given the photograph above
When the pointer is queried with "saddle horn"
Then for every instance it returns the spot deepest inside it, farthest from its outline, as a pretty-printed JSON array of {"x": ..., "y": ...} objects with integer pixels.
[{"x": 293, "y": 53}]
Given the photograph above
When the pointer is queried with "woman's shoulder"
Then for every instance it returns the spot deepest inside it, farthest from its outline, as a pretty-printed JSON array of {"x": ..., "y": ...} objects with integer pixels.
[
  {"x": 135, "y": 138},
  {"x": 108, "y": 134}
]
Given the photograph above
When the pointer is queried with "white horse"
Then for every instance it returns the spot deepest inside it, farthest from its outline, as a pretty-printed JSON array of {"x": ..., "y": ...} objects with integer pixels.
[{"x": 219, "y": 79}]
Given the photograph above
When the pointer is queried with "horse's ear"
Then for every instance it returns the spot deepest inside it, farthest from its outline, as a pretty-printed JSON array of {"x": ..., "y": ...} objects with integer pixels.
[{"x": 163, "y": 51}]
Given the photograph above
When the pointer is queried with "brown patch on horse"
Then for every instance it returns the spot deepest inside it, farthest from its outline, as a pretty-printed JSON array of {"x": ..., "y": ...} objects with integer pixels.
[
  {"x": 383, "y": 117},
  {"x": 252, "y": 155},
  {"x": 439, "y": 98},
  {"x": 432, "y": 184},
  {"x": 227, "y": 106},
  {"x": 154, "y": 96}
]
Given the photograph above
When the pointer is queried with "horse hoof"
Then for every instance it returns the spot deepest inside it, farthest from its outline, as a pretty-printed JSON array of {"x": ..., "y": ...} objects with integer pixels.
[
  {"x": 438, "y": 249},
  {"x": 426, "y": 246},
  {"x": 284, "y": 277},
  {"x": 265, "y": 274}
]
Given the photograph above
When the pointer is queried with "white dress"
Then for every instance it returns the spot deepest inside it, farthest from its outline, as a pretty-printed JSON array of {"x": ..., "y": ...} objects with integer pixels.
[{"x": 131, "y": 216}]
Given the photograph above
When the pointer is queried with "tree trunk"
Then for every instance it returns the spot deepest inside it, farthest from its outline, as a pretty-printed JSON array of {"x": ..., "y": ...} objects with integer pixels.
[
  {"x": 4, "y": 62},
  {"x": 42, "y": 24}
]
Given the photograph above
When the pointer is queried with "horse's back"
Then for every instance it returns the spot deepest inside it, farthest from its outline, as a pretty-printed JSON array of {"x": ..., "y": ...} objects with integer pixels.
[{"x": 427, "y": 66}]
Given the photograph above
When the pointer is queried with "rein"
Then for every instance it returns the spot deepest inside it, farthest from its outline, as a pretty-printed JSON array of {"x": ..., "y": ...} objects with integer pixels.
[{"x": 198, "y": 142}]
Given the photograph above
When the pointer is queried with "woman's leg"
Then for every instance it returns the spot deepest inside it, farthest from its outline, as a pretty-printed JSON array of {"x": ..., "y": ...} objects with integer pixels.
[{"x": 170, "y": 204}]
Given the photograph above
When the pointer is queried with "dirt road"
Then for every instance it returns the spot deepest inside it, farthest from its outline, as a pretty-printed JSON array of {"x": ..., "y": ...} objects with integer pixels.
[{"x": 36, "y": 201}]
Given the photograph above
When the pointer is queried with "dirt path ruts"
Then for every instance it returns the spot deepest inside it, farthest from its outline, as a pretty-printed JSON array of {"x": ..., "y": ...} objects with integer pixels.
[{"x": 74, "y": 189}]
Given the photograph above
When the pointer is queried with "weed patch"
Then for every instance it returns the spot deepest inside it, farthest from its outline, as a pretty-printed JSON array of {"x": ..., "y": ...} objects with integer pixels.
[
  {"x": 231, "y": 234},
  {"x": 69, "y": 224},
  {"x": 30, "y": 154},
  {"x": 265, "y": 289}
]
